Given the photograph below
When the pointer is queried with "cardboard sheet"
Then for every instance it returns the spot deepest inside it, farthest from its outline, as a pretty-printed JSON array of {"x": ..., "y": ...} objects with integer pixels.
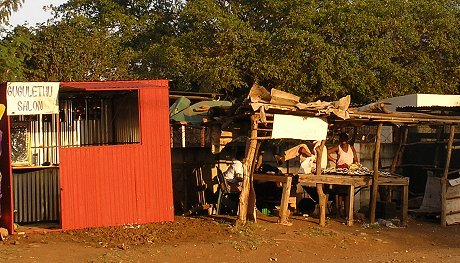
[{"x": 299, "y": 127}]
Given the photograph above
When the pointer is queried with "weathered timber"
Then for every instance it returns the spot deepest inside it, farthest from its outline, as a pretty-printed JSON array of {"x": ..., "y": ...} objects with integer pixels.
[
  {"x": 319, "y": 187},
  {"x": 247, "y": 179},
  {"x": 375, "y": 183},
  {"x": 444, "y": 176}
]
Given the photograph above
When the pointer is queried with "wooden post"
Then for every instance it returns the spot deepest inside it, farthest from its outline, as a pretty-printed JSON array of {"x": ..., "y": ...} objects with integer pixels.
[
  {"x": 319, "y": 187},
  {"x": 252, "y": 194},
  {"x": 250, "y": 155},
  {"x": 375, "y": 183},
  {"x": 284, "y": 211},
  {"x": 351, "y": 201},
  {"x": 400, "y": 151},
  {"x": 444, "y": 176},
  {"x": 439, "y": 133},
  {"x": 397, "y": 159},
  {"x": 202, "y": 136},
  {"x": 405, "y": 204}
]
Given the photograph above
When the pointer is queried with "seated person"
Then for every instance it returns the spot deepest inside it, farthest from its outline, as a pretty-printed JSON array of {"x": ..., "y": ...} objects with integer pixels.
[
  {"x": 346, "y": 153},
  {"x": 234, "y": 173},
  {"x": 265, "y": 168}
]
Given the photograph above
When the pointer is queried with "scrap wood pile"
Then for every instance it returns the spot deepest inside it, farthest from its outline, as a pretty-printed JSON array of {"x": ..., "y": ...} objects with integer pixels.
[{"x": 259, "y": 99}]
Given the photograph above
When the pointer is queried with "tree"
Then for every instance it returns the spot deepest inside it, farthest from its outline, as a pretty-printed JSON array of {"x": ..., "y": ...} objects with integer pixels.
[
  {"x": 77, "y": 50},
  {"x": 15, "y": 49},
  {"x": 315, "y": 49},
  {"x": 7, "y": 7}
]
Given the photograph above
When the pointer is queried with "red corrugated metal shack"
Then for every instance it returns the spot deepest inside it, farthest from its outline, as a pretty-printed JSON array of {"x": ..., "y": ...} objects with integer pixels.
[{"x": 102, "y": 159}]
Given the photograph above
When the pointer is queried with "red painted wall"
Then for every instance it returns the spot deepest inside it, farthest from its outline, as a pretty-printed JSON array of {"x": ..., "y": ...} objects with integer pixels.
[
  {"x": 121, "y": 184},
  {"x": 6, "y": 202}
]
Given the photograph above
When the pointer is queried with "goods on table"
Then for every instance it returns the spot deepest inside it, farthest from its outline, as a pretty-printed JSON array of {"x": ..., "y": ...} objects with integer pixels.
[{"x": 354, "y": 169}]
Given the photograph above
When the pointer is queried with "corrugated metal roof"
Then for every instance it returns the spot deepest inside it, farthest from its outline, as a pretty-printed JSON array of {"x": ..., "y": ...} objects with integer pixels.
[{"x": 122, "y": 84}]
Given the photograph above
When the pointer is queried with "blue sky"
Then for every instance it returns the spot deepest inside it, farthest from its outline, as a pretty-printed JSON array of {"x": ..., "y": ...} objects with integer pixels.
[{"x": 32, "y": 12}]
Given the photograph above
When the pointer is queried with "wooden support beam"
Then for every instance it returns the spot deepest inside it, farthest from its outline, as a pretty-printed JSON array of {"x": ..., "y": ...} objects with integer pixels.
[
  {"x": 397, "y": 159},
  {"x": 444, "y": 176},
  {"x": 405, "y": 204},
  {"x": 319, "y": 187},
  {"x": 400, "y": 152},
  {"x": 375, "y": 178},
  {"x": 252, "y": 193},
  {"x": 439, "y": 133},
  {"x": 351, "y": 201},
  {"x": 248, "y": 162},
  {"x": 284, "y": 211}
]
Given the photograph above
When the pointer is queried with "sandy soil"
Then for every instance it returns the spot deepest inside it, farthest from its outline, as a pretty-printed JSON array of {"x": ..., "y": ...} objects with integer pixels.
[{"x": 216, "y": 239}]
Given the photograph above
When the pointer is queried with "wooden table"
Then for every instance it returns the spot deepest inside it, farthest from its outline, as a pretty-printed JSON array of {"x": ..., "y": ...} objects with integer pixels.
[{"x": 336, "y": 179}]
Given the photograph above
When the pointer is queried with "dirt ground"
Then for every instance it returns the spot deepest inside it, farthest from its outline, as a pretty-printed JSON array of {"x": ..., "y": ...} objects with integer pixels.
[{"x": 216, "y": 239}]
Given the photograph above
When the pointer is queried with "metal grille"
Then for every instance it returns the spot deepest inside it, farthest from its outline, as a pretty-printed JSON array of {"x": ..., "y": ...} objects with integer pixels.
[
  {"x": 190, "y": 135},
  {"x": 36, "y": 196},
  {"x": 113, "y": 119}
]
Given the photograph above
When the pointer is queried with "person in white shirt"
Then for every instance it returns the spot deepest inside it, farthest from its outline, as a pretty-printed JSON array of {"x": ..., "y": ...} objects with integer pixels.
[
  {"x": 234, "y": 173},
  {"x": 307, "y": 158}
]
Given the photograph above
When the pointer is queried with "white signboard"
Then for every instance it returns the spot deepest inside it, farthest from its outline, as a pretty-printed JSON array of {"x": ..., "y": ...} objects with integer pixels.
[
  {"x": 298, "y": 127},
  {"x": 27, "y": 98}
]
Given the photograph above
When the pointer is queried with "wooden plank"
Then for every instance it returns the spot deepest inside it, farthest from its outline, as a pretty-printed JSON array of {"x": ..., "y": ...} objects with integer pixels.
[
  {"x": 252, "y": 193},
  {"x": 319, "y": 187},
  {"x": 400, "y": 152},
  {"x": 375, "y": 178},
  {"x": 351, "y": 200},
  {"x": 335, "y": 179},
  {"x": 284, "y": 212},
  {"x": 250, "y": 155},
  {"x": 405, "y": 204},
  {"x": 393, "y": 180},
  {"x": 270, "y": 178},
  {"x": 444, "y": 176}
]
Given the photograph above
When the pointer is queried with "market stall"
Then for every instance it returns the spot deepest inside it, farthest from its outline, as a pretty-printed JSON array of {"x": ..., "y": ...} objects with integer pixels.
[{"x": 262, "y": 109}]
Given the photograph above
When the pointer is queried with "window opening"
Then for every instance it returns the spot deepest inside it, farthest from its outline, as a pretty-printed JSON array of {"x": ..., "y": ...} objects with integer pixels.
[{"x": 99, "y": 118}]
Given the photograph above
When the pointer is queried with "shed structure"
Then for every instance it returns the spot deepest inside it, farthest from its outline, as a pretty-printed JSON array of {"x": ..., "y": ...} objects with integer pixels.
[
  {"x": 104, "y": 159},
  {"x": 262, "y": 107}
]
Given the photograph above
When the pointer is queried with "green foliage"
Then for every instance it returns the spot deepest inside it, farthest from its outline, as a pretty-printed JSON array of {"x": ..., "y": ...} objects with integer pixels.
[
  {"x": 77, "y": 50},
  {"x": 15, "y": 48},
  {"x": 316, "y": 49},
  {"x": 7, "y": 7}
]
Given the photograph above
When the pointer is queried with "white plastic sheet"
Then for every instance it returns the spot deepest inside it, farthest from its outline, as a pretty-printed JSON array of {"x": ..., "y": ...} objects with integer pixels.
[{"x": 299, "y": 127}]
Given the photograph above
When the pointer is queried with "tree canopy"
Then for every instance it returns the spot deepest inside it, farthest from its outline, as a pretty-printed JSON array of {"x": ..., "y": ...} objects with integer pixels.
[
  {"x": 316, "y": 49},
  {"x": 7, "y": 7}
]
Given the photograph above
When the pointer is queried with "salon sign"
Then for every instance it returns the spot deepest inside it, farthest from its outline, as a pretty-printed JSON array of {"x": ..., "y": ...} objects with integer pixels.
[{"x": 28, "y": 98}]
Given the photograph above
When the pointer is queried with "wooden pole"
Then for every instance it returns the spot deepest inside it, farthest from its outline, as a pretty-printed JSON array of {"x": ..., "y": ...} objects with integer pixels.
[
  {"x": 397, "y": 159},
  {"x": 250, "y": 155},
  {"x": 444, "y": 176},
  {"x": 400, "y": 151},
  {"x": 439, "y": 133},
  {"x": 319, "y": 187},
  {"x": 202, "y": 136},
  {"x": 252, "y": 194},
  {"x": 375, "y": 184},
  {"x": 351, "y": 202},
  {"x": 284, "y": 211}
]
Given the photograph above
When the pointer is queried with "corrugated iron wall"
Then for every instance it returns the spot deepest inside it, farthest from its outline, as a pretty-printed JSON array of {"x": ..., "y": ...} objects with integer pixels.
[
  {"x": 122, "y": 184},
  {"x": 36, "y": 196},
  {"x": 127, "y": 124}
]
